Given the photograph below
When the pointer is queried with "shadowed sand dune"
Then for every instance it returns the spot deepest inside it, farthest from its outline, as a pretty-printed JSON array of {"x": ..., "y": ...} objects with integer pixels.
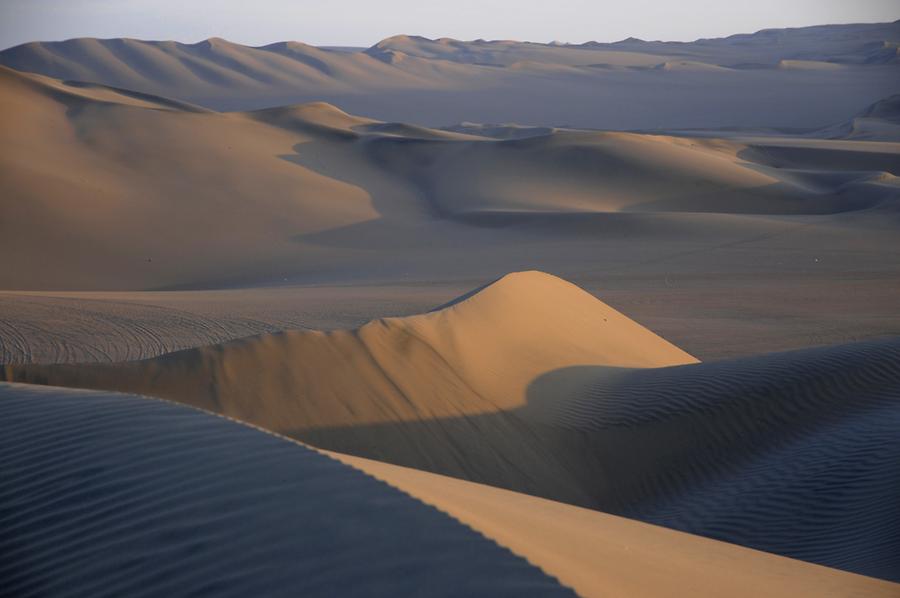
[
  {"x": 878, "y": 122},
  {"x": 533, "y": 385},
  {"x": 806, "y": 77},
  {"x": 104, "y": 189},
  {"x": 110, "y": 495},
  {"x": 173, "y": 499}
]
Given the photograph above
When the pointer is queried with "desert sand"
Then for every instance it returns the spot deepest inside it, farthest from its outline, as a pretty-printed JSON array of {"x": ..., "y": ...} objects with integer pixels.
[
  {"x": 310, "y": 194},
  {"x": 533, "y": 385},
  {"x": 599, "y": 554},
  {"x": 472, "y": 325},
  {"x": 138, "y": 497},
  {"x": 285, "y": 513},
  {"x": 797, "y": 78}
]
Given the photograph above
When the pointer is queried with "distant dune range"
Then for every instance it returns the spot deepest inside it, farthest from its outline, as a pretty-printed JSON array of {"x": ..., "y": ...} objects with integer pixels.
[
  {"x": 533, "y": 385},
  {"x": 126, "y": 183},
  {"x": 807, "y": 77}
]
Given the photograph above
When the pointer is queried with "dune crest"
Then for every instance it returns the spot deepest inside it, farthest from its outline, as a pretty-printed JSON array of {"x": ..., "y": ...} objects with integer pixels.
[
  {"x": 475, "y": 355},
  {"x": 532, "y": 385},
  {"x": 278, "y": 518},
  {"x": 598, "y": 554},
  {"x": 170, "y": 500},
  {"x": 403, "y": 390}
]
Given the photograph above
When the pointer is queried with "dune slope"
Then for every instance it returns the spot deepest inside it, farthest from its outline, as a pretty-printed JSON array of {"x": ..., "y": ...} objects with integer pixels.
[
  {"x": 599, "y": 554},
  {"x": 878, "y": 122},
  {"x": 434, "y": 391},
  {"x": 532, "y": 385},
  {"x": 106, "y": 189},
  {"x": 257, "y": 514},
  {"x": 100, "y": 190},
  {"x": 108, "y": 494}
]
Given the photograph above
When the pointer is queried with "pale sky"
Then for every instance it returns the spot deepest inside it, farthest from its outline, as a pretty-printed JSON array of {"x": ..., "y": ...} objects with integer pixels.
[{"x": 364, "y": 22}]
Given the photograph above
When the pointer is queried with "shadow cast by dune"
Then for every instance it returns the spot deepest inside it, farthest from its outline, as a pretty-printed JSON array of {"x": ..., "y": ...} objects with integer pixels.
[
  {"x": 533, "y": 385},
  {"x": 791, "y": 453}
]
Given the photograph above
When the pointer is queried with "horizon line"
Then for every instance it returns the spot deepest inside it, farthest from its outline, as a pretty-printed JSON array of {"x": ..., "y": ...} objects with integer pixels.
[{"x": 477, "y": 40}]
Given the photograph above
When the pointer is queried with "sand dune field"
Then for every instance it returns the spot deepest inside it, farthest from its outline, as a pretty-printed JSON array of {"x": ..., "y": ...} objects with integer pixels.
[
  {"x": 310, "y": 193},
  {"x": 804, "y": 77},
  {"x": 447, "y": 317}
]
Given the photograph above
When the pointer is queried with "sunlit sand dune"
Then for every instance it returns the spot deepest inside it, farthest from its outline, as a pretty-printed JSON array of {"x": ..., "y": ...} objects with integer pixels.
[
  {"x": 444, "y": 371},
  {"x": 531, "y": 384}
]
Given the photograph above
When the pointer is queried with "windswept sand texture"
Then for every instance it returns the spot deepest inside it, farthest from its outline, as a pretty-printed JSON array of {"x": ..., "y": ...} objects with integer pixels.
[
  {"x": 110, "y": 495},
  {"x": 252, "y": 513},
  {"x": 600, "y": 554},
  {"x": 533, "y": 385}
]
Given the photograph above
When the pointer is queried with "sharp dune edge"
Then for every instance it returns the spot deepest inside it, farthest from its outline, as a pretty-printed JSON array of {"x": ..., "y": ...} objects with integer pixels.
[
  {"x": 533, "y": 385},
  {"x": 137, "y": 497},
  {"x": 308, "y": 496}
]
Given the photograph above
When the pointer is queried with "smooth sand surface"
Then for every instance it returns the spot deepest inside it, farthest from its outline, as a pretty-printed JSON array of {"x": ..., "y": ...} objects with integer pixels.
[
  {"x": 103, "y": 194},
  {"x": 533, "y": 385},
  {"x": 174, "y": 499},
  {"x": 108, "y": 494},
  {"x": 804, "y": 77}
]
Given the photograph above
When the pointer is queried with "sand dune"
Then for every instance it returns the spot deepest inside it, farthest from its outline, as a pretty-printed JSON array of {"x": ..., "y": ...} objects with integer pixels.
[
  {"x": 142, "y": 498},
  {"x": 599, "y": 554},
  {"x": 103, "y": 189},
  {"x": 833, "y": 412},
  {"x": 500, "y": 130},
  {"x": 579, "y": 172},
  {"x": 878, "y": 122},
  {"x": 408, "y": 372},
  {"x": 719, "y": 315},
  {"x": 145, "y": 181},
  {"x": 280, "y": 508},
  {"x": 532, "y": 385},
  {"x": 840, "y": 44},
  {"x": 738, "y": 81}
]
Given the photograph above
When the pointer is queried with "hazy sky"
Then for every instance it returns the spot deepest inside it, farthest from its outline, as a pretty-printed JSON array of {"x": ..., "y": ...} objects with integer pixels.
[{"x": 363, "y": 22}]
